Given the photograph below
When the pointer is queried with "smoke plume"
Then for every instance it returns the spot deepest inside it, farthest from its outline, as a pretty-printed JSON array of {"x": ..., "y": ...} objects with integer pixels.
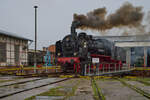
[
  {"x": 148, "y": 23},
  {"x": 126, "y": 15}
]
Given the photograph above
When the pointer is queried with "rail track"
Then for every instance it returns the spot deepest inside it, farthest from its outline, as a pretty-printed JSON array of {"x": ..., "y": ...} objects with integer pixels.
[
  {"x": 21, "y": 82},
  {"x": 135, "y": 88},
  {"x": 144, "y": 82},
  {"x": 30, "y": 88},
  {"x": 97, "y": 90}
]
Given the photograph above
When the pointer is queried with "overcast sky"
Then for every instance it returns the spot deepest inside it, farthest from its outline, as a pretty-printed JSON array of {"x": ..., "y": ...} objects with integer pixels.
[{"x": 54, "y": 16}]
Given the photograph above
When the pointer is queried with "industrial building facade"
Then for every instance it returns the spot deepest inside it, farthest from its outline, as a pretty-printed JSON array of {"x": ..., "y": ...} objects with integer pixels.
[
  {"x": 136, "y": 49},
  {"x": 39, "y": 54},
  {"x": 13, "y": 49}
]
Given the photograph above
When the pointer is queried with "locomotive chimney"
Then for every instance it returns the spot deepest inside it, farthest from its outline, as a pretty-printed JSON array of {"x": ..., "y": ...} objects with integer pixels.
[{"x": 74, "y": 25}]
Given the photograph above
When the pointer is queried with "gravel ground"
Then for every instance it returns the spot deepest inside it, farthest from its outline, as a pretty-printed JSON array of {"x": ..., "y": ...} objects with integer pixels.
[
  {"x": 140, "y": 85},
  {"x": 76, "y": 89},
  {"x": 67, "y": 85},
  {"x": 66, "y": 88},
  {"x": 114, "y": 90},
  {"x": 84, "y": 91}
]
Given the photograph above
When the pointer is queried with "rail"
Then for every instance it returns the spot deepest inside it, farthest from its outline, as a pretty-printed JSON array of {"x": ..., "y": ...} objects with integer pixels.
[
  {"x": 31, "y": 88},
  {"x": 98, "y": 93},
  {"x": 135, "y": 88}
]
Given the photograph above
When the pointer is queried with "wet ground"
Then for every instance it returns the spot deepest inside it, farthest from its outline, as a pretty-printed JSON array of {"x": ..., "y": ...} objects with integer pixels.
[
  {"x": 61, "y": 91},
  {"x": 13, "y": 81},
  {"x": 72, "y": 89},
  {"x": 27, "y": 94},
  {"x": 114, "y": 90},
  {"x": 6, "y": 90},
  {"x": 8, "y": 78},
  {"x": 140, "y": 85},
  {"x": 84, "y": 91}
]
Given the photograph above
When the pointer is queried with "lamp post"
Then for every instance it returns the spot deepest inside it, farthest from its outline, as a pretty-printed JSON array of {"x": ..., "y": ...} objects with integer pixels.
[{"x": 35, "y": 58}]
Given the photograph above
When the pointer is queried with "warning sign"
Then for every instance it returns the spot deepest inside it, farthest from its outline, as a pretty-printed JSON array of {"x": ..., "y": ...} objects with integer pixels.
[{"x": 95, "y": 60}]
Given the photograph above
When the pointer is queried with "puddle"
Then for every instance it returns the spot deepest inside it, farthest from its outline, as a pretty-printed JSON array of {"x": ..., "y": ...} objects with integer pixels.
[
  {"x": 19, "y": 87},
  {"x": 66, "y": 89},
  {"x": 85, "y": 92},
  {"x": 49, "y": 97},
  {"x": 22, "y": 86}
]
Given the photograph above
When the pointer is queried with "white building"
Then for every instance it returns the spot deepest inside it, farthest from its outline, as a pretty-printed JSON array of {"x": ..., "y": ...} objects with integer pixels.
[{"x": 13, "y": 49}]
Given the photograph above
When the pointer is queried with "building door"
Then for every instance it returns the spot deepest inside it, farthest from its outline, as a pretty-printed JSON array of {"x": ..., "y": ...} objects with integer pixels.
[
  {"x": 137, "y": 56},
  {"x": 148, "y": 57}
]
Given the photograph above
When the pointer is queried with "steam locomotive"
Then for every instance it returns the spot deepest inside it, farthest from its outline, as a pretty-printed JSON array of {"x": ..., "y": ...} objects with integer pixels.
[{"x": 75, "y": 51}]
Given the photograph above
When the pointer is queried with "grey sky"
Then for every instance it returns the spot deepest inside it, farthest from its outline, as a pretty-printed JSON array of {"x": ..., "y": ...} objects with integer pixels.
[{"x": 54, "y": 16}]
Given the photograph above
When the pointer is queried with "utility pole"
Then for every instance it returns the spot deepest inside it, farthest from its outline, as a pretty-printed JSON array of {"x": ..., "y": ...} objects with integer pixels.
[{"x": 35, "y": 56}]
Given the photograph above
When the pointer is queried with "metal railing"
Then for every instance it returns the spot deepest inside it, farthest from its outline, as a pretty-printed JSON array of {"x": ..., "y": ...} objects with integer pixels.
[{"x": 105, "y": 68}]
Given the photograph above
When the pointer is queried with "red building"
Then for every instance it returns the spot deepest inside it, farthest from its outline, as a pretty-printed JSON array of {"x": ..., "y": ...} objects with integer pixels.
[{"x": 52, "y": 50}]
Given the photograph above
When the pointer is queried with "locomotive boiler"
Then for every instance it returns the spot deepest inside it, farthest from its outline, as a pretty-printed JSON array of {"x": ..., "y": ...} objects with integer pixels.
[{"x": 75, "y": 51}]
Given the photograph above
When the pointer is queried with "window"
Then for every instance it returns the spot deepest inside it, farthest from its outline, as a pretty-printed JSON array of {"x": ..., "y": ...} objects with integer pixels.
[
  {"x": 2, "y": 52},
  {"x": 17, "y": 53}
]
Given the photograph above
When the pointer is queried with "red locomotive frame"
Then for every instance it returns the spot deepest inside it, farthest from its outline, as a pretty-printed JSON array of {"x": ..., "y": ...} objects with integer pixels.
[{"x": 106, "y": 63}]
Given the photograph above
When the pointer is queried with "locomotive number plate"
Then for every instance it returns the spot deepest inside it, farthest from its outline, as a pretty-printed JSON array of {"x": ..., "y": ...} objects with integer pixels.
[{"x": 95, "y": 60}]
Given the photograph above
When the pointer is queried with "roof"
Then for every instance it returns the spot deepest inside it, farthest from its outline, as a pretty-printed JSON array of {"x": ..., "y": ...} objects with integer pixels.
[
  {"x": 114, "y": 36},
  {"x": 9, "y": 34},
  {"x": 132, "y": 44},
  {"x": 132, "y": 38},
  {"x": 32, "y": 51}
]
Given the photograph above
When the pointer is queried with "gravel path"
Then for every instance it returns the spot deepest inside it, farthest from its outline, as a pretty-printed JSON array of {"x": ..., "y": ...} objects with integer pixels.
[{"x": 114, "y": 90}]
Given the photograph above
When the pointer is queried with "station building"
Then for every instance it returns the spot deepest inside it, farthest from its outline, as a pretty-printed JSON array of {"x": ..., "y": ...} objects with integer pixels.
[{"x": 13, "y": 49}]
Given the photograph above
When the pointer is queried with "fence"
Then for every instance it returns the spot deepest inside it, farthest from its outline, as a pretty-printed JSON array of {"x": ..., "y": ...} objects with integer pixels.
[{"x": 105, "y": 68}]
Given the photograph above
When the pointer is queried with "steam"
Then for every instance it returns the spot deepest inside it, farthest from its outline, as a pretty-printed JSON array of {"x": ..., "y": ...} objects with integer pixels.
[
  {"x": 148, "y": 23},
  {"x": 126, "y": 15}
]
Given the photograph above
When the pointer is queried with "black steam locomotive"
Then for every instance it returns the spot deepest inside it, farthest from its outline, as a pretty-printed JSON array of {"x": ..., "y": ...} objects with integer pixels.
[{"x": 77, "y": 50}]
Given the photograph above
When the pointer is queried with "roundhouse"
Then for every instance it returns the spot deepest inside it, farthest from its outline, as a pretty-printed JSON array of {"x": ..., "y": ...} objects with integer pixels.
[{"x": 13, "y": 49}]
